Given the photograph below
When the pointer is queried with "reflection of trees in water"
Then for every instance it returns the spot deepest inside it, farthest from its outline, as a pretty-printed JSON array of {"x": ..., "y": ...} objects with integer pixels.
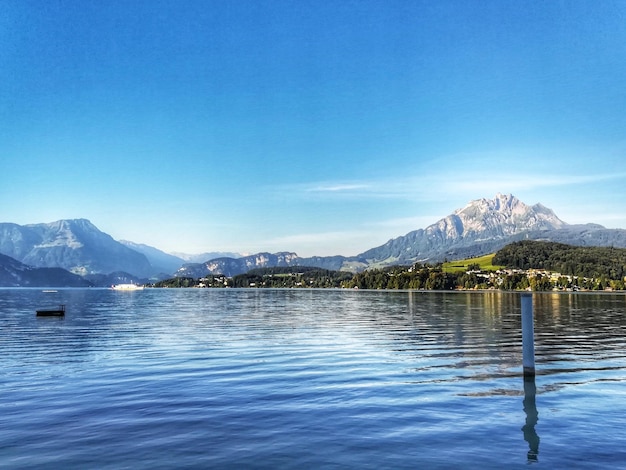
[
  {"x": 477, "y": 334},
  {"x": 569, "y": 327}
]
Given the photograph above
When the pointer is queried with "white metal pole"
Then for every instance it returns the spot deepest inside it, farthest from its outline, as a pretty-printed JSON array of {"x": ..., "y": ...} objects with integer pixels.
[{"x": 528, "y": 336}]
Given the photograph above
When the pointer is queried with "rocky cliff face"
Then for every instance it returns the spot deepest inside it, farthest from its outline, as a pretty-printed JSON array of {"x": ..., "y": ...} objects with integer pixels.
[
  {"x": 502, "y": 216},
  {"x": 482, "y": 223},
  {"x": 75, "y": 245},
  {"x": 234, "y": 266}
]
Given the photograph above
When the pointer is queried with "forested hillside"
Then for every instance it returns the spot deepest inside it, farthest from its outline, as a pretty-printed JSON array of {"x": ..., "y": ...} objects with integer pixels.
[
  {"x": 277, "y": 277},
  {"x": 291, "y": 276},
  {"x": 590, "y": 262},
  {"x": 532, "y": 265}
]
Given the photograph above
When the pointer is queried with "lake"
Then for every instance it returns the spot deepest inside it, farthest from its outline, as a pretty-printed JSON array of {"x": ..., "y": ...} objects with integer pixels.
[{"x": 244, "y": 378}]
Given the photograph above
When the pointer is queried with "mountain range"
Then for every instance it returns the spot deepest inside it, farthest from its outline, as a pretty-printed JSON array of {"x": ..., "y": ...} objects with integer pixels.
[
  {"x": 481, "y": 223},
  {"x": 75, "y": 245},
  {"x": 16, "y": 274},
  {"x": 482, "y": 226}
]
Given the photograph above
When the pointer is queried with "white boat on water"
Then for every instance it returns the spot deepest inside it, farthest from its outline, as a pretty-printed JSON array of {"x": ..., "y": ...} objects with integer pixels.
[{"x": 127, "y": 287}]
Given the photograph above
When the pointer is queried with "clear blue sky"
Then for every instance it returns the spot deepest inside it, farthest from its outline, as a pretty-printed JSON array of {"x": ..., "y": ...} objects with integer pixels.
[{"x": 321, "y": 127}]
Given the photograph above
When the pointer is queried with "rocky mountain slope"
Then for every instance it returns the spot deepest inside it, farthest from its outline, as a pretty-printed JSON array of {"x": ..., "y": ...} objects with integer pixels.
[
  {"x": 16, "y": 274},
  {"x": 233, "y": 266},
  {"x": 75, "y": 245},
  {"x": 480, "y": 227},
  {"x": 161, "y": 262},
  {"x": 582, "y": 235}
]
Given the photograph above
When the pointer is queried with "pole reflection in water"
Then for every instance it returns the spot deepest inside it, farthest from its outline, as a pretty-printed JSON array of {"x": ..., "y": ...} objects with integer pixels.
[{"x": 532, "y": 416}]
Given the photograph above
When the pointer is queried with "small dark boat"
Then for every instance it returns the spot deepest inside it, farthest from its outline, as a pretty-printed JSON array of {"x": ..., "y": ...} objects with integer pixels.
[{"x": 52, "y": 312}]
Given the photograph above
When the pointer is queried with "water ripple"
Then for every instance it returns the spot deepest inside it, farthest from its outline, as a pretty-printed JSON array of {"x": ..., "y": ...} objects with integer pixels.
[{"x": 309, "y": 378}]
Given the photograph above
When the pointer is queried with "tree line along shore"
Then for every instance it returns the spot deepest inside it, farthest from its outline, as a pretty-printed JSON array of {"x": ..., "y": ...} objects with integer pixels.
[{"x": 524, "y": 265}]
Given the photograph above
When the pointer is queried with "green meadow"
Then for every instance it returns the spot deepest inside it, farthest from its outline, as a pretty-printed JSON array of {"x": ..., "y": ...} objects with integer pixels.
[{"x": 484, "y": 264}]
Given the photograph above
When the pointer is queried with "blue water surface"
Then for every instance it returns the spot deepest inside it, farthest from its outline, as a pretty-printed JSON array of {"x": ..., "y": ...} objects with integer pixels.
[{"x": 235, "y": 378}]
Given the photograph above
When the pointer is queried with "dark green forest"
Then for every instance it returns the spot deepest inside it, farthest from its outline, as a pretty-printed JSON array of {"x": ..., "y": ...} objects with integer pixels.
[
  {"x": 287, "y": 277},
  {"x": 418, "y": 276},
  {"x": 293, "y": 276},
  {"x": 569, "y": 260},
  {"x": 178, "y": 282}
]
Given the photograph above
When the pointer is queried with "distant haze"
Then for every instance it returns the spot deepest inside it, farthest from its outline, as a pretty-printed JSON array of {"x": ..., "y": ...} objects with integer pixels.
[{"x": 200, "y": 257}]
